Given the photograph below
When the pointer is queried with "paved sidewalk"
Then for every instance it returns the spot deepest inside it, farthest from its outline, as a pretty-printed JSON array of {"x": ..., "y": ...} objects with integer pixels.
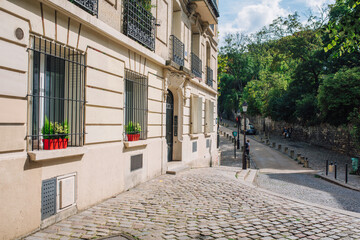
[{"x": 205, "y": 203}]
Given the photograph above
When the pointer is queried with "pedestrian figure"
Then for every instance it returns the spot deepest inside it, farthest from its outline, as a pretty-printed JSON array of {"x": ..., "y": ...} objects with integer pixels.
[{"x": 247, "y": 147}]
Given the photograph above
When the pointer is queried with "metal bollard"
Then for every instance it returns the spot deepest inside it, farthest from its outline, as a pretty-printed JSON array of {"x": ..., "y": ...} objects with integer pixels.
[
  {"x": 279, "y": 147},
  {"x": 298, "y": 157},
  {"x": 274, "y": 144},
  {"x": 327, "y": 168},
  {"x": 346, "y": 173},
  {"x": 286, "y": 150},
  {"x": 292, "y": 154},
  {"x": 267, "y": 142},
  {"x": 335, "y": 173},
  {"x": 302, "y": 160}
]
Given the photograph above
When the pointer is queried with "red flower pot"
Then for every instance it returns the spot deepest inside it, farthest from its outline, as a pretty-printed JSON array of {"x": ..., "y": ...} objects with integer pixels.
[
  {"x": 63, "y": 143},
  {"x": 133, "y": 137},
  {"x": 48, "y": 144}
]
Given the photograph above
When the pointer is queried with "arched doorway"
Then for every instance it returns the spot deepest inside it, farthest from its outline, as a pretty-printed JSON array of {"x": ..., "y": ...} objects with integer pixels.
[{"x": 169, "y": 124}]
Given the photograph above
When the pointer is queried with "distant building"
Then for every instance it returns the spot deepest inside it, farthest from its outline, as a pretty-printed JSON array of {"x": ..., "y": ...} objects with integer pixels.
[{"x": 90, "y": 74}]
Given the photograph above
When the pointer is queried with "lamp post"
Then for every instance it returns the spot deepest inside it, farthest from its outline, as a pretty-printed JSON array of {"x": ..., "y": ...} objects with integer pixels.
[
  {"x": 244, "y": 107},
  {"x": 238, "y": 121}
]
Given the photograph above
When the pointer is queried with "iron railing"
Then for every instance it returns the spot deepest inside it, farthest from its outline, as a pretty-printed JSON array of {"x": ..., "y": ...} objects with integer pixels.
[
  {"x": 56, "y": 95},
  {"x": 136, "y": 91},
  {"x": 177, "y": 50},
  {"x": 196, "y": 65},
  {"x": 209, "y": 76},
  {"x": 91, "y": 6},
  {"x": 139, "y": 24},
  {"x": 214, "y": 7}
]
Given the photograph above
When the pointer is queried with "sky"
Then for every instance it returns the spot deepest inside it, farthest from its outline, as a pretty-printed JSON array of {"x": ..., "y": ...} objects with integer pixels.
[{"x": 251, "y": 15}]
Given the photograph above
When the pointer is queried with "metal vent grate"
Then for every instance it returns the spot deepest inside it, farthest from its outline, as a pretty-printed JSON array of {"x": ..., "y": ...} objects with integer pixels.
[
  {"x": 48, "y": 198},
  {"x": 136, "y": 162},
  {"x": 194, "y": 147}
]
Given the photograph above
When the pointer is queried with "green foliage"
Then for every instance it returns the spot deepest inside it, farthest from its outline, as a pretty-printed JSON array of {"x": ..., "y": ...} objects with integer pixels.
[
  {"x": 339, "y": 95},
  {"x": 146, "y": 4},
  {"x": 132, "y": 128},
  {"x": 48, "y": 129},
  {"x": 54, "y": 130},
  {"x": 343, "y": 28}
]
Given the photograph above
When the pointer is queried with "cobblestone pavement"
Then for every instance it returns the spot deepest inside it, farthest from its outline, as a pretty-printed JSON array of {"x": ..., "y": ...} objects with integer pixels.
[
  {"x": 205, "y": 203},
  {"x": 281, "y": 175},
  {"x": 317, "y": 156}
]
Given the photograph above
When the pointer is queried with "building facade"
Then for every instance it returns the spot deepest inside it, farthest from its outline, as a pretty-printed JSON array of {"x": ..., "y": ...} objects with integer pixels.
[{"x": 121, "y": 90}]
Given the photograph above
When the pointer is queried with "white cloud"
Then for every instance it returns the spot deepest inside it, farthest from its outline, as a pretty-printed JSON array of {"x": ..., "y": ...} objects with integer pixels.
[{"x": 252, "y": 17}]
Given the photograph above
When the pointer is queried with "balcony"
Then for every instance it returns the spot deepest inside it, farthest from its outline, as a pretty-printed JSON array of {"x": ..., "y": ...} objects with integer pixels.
[
  {"x": 196, "y": 65},
  {"x": 208, "y": 10},
  {"x": 177, "y": 50},
  {"x": 139, "y": 24},
  {"x": 209, "y": 76},
  {"x": 91, "y": 6}
]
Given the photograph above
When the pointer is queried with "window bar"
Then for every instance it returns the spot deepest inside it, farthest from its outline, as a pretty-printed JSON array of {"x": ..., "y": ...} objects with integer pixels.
[
  {"x": 76, "y": 96},
  {"x": 80, "y": 104},
  {"x": 39, "y": 77},
  {"x": 68, "y": 91},
  {"x": 33, "y": 99},
  {"x": 72, "y": 99}
]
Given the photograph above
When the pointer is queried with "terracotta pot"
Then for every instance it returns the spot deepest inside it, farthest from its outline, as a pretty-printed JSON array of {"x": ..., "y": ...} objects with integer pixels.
[
  {"x": 133, "y": 137},
  {"x": 63, "y": 143}
]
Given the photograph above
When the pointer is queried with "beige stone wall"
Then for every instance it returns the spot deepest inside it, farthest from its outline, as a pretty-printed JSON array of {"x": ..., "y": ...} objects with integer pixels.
[{"x": 104, "y": 170}]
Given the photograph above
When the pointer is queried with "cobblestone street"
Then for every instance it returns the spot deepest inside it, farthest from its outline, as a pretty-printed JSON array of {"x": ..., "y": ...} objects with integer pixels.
[{"x": 204, "y": 204}]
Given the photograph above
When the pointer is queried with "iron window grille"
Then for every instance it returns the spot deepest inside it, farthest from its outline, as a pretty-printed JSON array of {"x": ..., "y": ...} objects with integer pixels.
[
  {"x": 196, "y": 65},
  {"x": 91, "y": 6},
  {"x": 136, "y": 92},
  {"x": 57, "y": 92},
  {"x": 209, "y": 76},
  {"x": 139, "y": 23},
  {"x": 177, "y": 50}
]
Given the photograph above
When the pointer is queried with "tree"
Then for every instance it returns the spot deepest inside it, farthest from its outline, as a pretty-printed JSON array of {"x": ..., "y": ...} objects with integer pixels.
[
  {"x": 339, "y": 95},
  {"x": 343, "y": 28}
]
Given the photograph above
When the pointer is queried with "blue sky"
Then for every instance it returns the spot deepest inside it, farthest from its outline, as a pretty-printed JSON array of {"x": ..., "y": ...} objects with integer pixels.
[{"x": 250, "y": 15}]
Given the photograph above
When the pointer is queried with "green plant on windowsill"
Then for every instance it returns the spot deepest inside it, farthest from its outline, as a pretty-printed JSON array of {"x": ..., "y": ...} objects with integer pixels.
[
  {"x": 133, "y": 128},
  {"x": 48, "y": 129},
  {"x": 61, "y": 130}
]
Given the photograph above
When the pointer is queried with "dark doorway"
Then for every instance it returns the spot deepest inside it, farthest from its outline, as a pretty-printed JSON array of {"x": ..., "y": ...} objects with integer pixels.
[{"x": 169, "y": 124}]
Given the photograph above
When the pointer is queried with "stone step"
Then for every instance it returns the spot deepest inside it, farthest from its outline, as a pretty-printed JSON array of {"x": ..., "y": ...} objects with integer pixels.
[
  {"x": 251, "y": 176},
  {"x": 176, "y": 167},
  {"x": 242, "y": 174}
]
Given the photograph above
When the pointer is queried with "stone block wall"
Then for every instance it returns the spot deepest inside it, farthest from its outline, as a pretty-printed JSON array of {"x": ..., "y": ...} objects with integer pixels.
[{"x": 324, "y": 135}]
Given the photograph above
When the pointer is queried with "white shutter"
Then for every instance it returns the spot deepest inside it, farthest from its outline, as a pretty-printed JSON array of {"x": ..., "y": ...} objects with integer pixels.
[
  {"x": 211, "y": 116},
  {"x": 199, "y": 114},
  {"x": 193, "y": 123},
  {"x": 207, "y": 116}
]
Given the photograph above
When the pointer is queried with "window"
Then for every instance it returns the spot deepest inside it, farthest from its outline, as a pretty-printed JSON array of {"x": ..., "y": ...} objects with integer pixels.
[
  {"x": 209, "y": 116},
  {"x": 57, "y": 93},
  {"x": 196, "y": 114},
  {"x": 136, "y": 86}
]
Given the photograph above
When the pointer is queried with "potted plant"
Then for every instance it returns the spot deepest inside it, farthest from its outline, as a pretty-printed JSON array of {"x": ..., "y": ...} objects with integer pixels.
[
  {"x": 133, "y": 131},
  {"x": 55, "y": 135},
  {"x": 48, "y": 135},
  {"x": 62, "y": 134}
]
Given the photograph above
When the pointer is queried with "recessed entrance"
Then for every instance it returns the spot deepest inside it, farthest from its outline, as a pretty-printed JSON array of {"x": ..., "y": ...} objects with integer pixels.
[{"x": 170, "y": 124}]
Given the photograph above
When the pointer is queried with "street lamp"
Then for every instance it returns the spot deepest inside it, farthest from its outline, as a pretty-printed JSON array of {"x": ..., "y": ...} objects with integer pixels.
[
  {"x": 244, "y": 107},
  {"x": 238, "y": 121}
]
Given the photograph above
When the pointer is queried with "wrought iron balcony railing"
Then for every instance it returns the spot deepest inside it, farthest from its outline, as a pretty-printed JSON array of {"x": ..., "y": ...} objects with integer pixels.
[
  {"x": 139, "y": 24},
  {"x": 209, "y": 76},
  {"x": 196, "y": 65},
  {"x": 178, "y": 50},
  {"x": 214, "y": 7},
  {"x": 91, "y": 6}
]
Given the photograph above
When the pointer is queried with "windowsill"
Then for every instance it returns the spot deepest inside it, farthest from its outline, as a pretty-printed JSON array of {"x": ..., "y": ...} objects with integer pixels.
[
  {"x": 195, "y": 135},
  {"x": 132, "y": 144},
  {"x": 207, "y": 135},
  {"x": 43, "y": 155}
]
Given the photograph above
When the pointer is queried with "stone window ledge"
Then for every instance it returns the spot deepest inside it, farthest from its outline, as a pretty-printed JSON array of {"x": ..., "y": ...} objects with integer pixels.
[
  {"x": 43, "y": 155},
  {"x": 195, "y": 136},
  {"x": 133, "y": 144}
]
